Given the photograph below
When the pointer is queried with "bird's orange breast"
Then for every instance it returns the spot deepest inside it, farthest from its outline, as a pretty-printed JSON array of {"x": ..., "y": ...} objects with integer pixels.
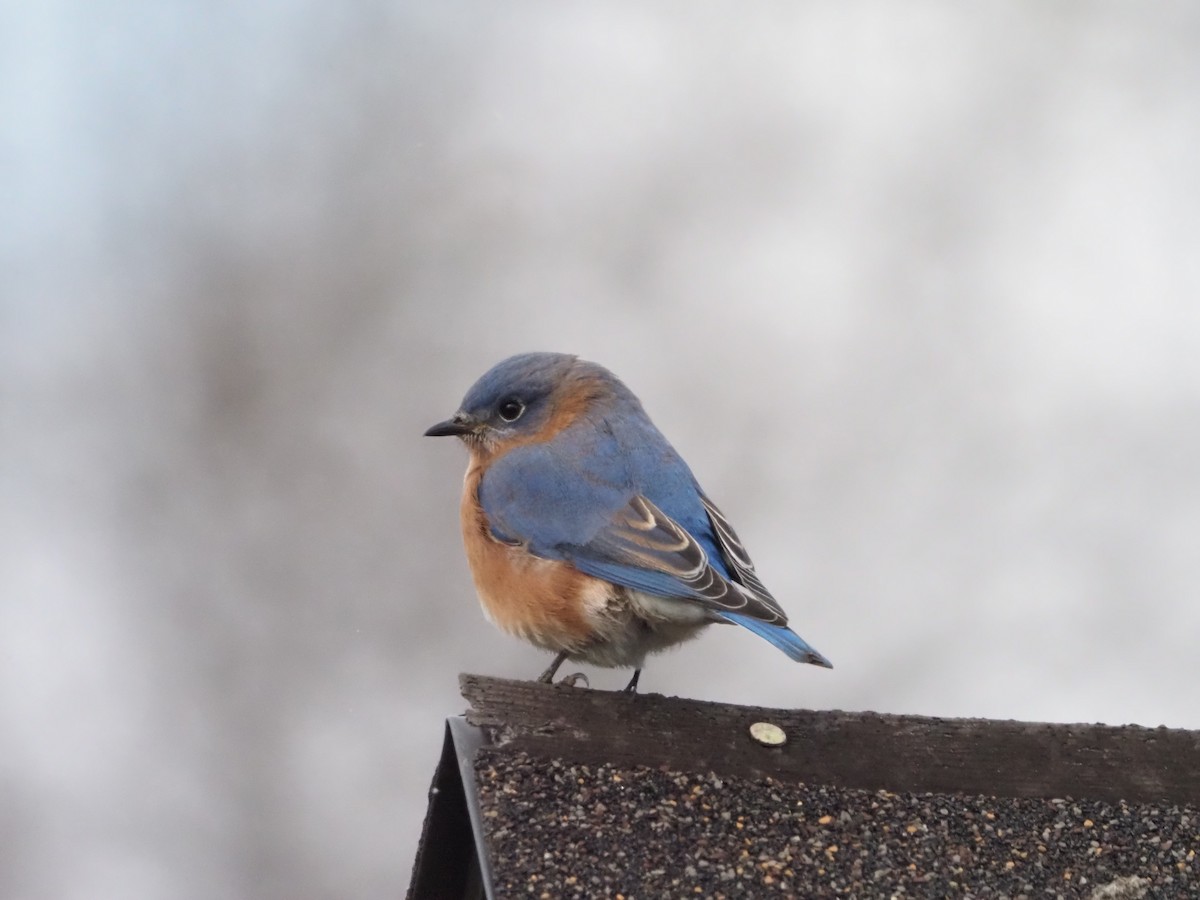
[{"x": 547, "y": 602}]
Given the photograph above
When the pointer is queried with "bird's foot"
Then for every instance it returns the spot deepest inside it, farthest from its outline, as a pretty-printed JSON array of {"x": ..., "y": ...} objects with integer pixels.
[
  {"x": 548, "y": 676},
  {"x": 574, "y": 679},
  {"x": 631, "y": 688}
]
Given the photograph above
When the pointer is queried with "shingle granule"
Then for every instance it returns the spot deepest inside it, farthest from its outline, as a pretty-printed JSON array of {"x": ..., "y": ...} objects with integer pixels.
[{"x": 558, "y": 830}]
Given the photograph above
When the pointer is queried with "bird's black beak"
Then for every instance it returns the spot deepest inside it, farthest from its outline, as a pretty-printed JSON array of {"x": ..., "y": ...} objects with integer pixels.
[{"x": 458, "y": 424}]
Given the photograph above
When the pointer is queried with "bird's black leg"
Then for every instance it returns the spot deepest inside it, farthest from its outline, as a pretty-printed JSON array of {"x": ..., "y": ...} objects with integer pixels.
[
  {"x": 631, "y": 688},
  {"x": 548, "y": 676}
]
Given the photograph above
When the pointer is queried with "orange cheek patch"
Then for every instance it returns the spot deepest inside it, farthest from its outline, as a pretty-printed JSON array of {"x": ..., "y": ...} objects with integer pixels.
[{"x": 572, "y": 401}]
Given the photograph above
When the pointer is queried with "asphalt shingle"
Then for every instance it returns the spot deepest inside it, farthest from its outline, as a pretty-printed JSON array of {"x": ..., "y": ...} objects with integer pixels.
[{"x": 557, "y": 829}]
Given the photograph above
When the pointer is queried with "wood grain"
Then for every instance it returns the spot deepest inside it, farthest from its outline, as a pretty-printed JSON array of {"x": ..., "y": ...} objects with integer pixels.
[{"x": 857, "y": 750}]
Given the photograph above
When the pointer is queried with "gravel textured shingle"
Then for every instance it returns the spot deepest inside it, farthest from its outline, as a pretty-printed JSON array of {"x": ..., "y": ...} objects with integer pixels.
[{"x": 559, "y": 830}]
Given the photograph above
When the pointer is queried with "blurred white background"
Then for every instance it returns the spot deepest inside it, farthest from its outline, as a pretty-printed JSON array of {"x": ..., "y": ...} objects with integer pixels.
[{"x": 913, "y": 287}]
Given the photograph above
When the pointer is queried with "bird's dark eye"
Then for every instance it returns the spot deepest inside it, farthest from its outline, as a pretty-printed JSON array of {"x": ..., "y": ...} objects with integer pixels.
[{"x": 510, "y": 409}]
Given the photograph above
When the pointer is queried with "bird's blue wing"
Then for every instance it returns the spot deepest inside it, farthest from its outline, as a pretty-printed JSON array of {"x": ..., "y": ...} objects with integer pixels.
[
  {"x": 592, "y": 498},
  {"x": 643, "y": 547},
  {"x": 624, "y": 507}
]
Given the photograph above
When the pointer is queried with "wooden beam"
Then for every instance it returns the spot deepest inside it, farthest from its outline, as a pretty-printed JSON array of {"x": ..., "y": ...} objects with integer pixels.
[{"x": 863, "y": 750}]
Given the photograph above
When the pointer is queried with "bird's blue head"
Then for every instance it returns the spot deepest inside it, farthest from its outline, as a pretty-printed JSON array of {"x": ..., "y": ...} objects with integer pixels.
[{"x": 527, "y": 398}]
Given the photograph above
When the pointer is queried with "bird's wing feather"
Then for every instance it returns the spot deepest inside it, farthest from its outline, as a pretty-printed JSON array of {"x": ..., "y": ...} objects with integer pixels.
[
  {"x": 735, "y": 555},
  {"x": 644, "y": 548},
  {"x": 596, "y": 518}
]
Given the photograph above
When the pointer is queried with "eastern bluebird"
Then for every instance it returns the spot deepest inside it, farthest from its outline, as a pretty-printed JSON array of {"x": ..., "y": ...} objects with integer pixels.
[{"x": 586, "y": 533}]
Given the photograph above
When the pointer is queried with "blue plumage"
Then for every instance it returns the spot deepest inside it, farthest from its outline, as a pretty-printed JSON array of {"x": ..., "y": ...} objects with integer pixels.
[
  {"x": 572, "y": 470},
  {"x": 782, "y": 637}
]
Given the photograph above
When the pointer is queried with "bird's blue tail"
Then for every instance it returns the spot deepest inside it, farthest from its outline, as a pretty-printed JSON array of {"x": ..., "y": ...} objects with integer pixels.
[{"x": 782, "y": 637}]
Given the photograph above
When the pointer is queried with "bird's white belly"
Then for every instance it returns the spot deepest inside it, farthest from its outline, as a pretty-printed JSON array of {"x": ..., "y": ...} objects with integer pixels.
[{"x": 629, "y": 625}]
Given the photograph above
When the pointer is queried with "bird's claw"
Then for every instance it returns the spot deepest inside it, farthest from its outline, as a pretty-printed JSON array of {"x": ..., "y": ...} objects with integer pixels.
[{"x": 573, "y": 680}]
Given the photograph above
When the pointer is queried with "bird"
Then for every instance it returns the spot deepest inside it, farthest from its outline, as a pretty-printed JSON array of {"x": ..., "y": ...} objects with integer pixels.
[{"x": 586, "y": 533}]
